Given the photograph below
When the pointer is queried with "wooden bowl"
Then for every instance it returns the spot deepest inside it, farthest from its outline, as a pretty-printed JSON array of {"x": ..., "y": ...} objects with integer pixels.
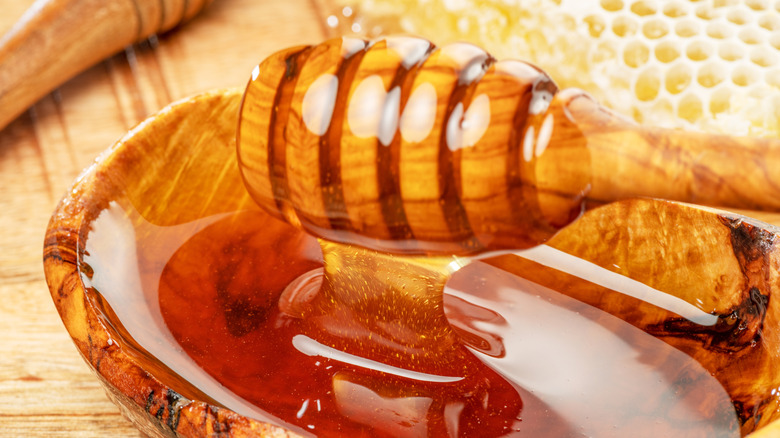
[{"x": 179, "y": 167}]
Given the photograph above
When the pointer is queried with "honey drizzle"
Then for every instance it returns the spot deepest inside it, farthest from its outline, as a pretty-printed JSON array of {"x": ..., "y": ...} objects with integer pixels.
[{"x": 379, "y": 319}]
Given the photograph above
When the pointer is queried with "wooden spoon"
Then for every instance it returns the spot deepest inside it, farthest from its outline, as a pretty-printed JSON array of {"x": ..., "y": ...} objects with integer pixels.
[
  {"x": 56, "y": 39},
  {"x": 399, "y": 146}
]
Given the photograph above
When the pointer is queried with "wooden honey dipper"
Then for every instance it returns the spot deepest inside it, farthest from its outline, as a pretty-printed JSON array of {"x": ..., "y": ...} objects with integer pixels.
[
  {"x": 398, "y": 146},
  {"x": 56, "y": 39}
]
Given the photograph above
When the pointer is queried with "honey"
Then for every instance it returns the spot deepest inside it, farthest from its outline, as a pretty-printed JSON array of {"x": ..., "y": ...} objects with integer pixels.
[{"x": 220, "y": 316}]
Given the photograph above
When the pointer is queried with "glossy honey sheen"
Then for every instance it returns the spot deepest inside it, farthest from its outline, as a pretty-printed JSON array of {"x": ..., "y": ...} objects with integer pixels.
[{"x": 213, "y": 306}]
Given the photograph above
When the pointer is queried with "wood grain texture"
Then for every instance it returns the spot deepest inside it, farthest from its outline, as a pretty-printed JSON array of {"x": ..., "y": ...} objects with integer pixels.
[
  {"x": 46, "y": 389},
  {"x": 57, "y": 39}
]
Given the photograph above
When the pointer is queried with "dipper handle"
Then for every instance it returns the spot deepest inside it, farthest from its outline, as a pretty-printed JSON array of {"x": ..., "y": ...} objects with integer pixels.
[{"x": 56, "y": 39}]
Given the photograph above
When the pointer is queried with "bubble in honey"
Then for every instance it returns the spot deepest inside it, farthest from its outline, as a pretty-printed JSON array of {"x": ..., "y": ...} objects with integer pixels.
[
  {"x": 647, "y": 84},
  {"x": 655, "y": 29},
  {"x": 711, "y": 74},
  {"x": 624, "y": 26},
  {"x": 667, "y": 51},
  {"x": 644, "y": 7},
  {"x": 678, "y": 78},
  {"x": 636, "y": 54},
  {"x": 699, "y": 50}
]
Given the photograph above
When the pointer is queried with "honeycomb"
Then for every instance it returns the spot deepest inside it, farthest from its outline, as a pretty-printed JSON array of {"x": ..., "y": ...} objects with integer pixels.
[{"x": 711, "y": 65}]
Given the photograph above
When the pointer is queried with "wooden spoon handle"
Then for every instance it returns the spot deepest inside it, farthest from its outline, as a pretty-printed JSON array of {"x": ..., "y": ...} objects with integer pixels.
[
  {"x": 629, "y": 160},
  {"x": 56, "y": 39}
]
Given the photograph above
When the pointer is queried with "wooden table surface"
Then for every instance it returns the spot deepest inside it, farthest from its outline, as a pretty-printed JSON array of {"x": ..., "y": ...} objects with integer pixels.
[{"x": 46, "y": 389}]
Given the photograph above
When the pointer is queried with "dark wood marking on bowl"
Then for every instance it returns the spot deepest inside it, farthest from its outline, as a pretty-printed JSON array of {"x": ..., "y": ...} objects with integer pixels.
[
  {"x": 149, "y": 401},
  {"x": 173, "y": 399},
  {"x": 91, "y": 348},
  {"x": 159, "y": 413},
  {"x": 734, "y": 331},
  {"x": 741, "y": 326}
]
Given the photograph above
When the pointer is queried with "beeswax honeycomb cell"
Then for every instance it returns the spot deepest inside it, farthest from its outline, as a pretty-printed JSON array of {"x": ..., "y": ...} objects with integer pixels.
[{"x": 667, "y": 51}]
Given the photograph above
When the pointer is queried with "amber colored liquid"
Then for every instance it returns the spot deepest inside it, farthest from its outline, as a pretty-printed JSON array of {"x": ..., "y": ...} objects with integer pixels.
[{"x": 531, "y": 361}]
